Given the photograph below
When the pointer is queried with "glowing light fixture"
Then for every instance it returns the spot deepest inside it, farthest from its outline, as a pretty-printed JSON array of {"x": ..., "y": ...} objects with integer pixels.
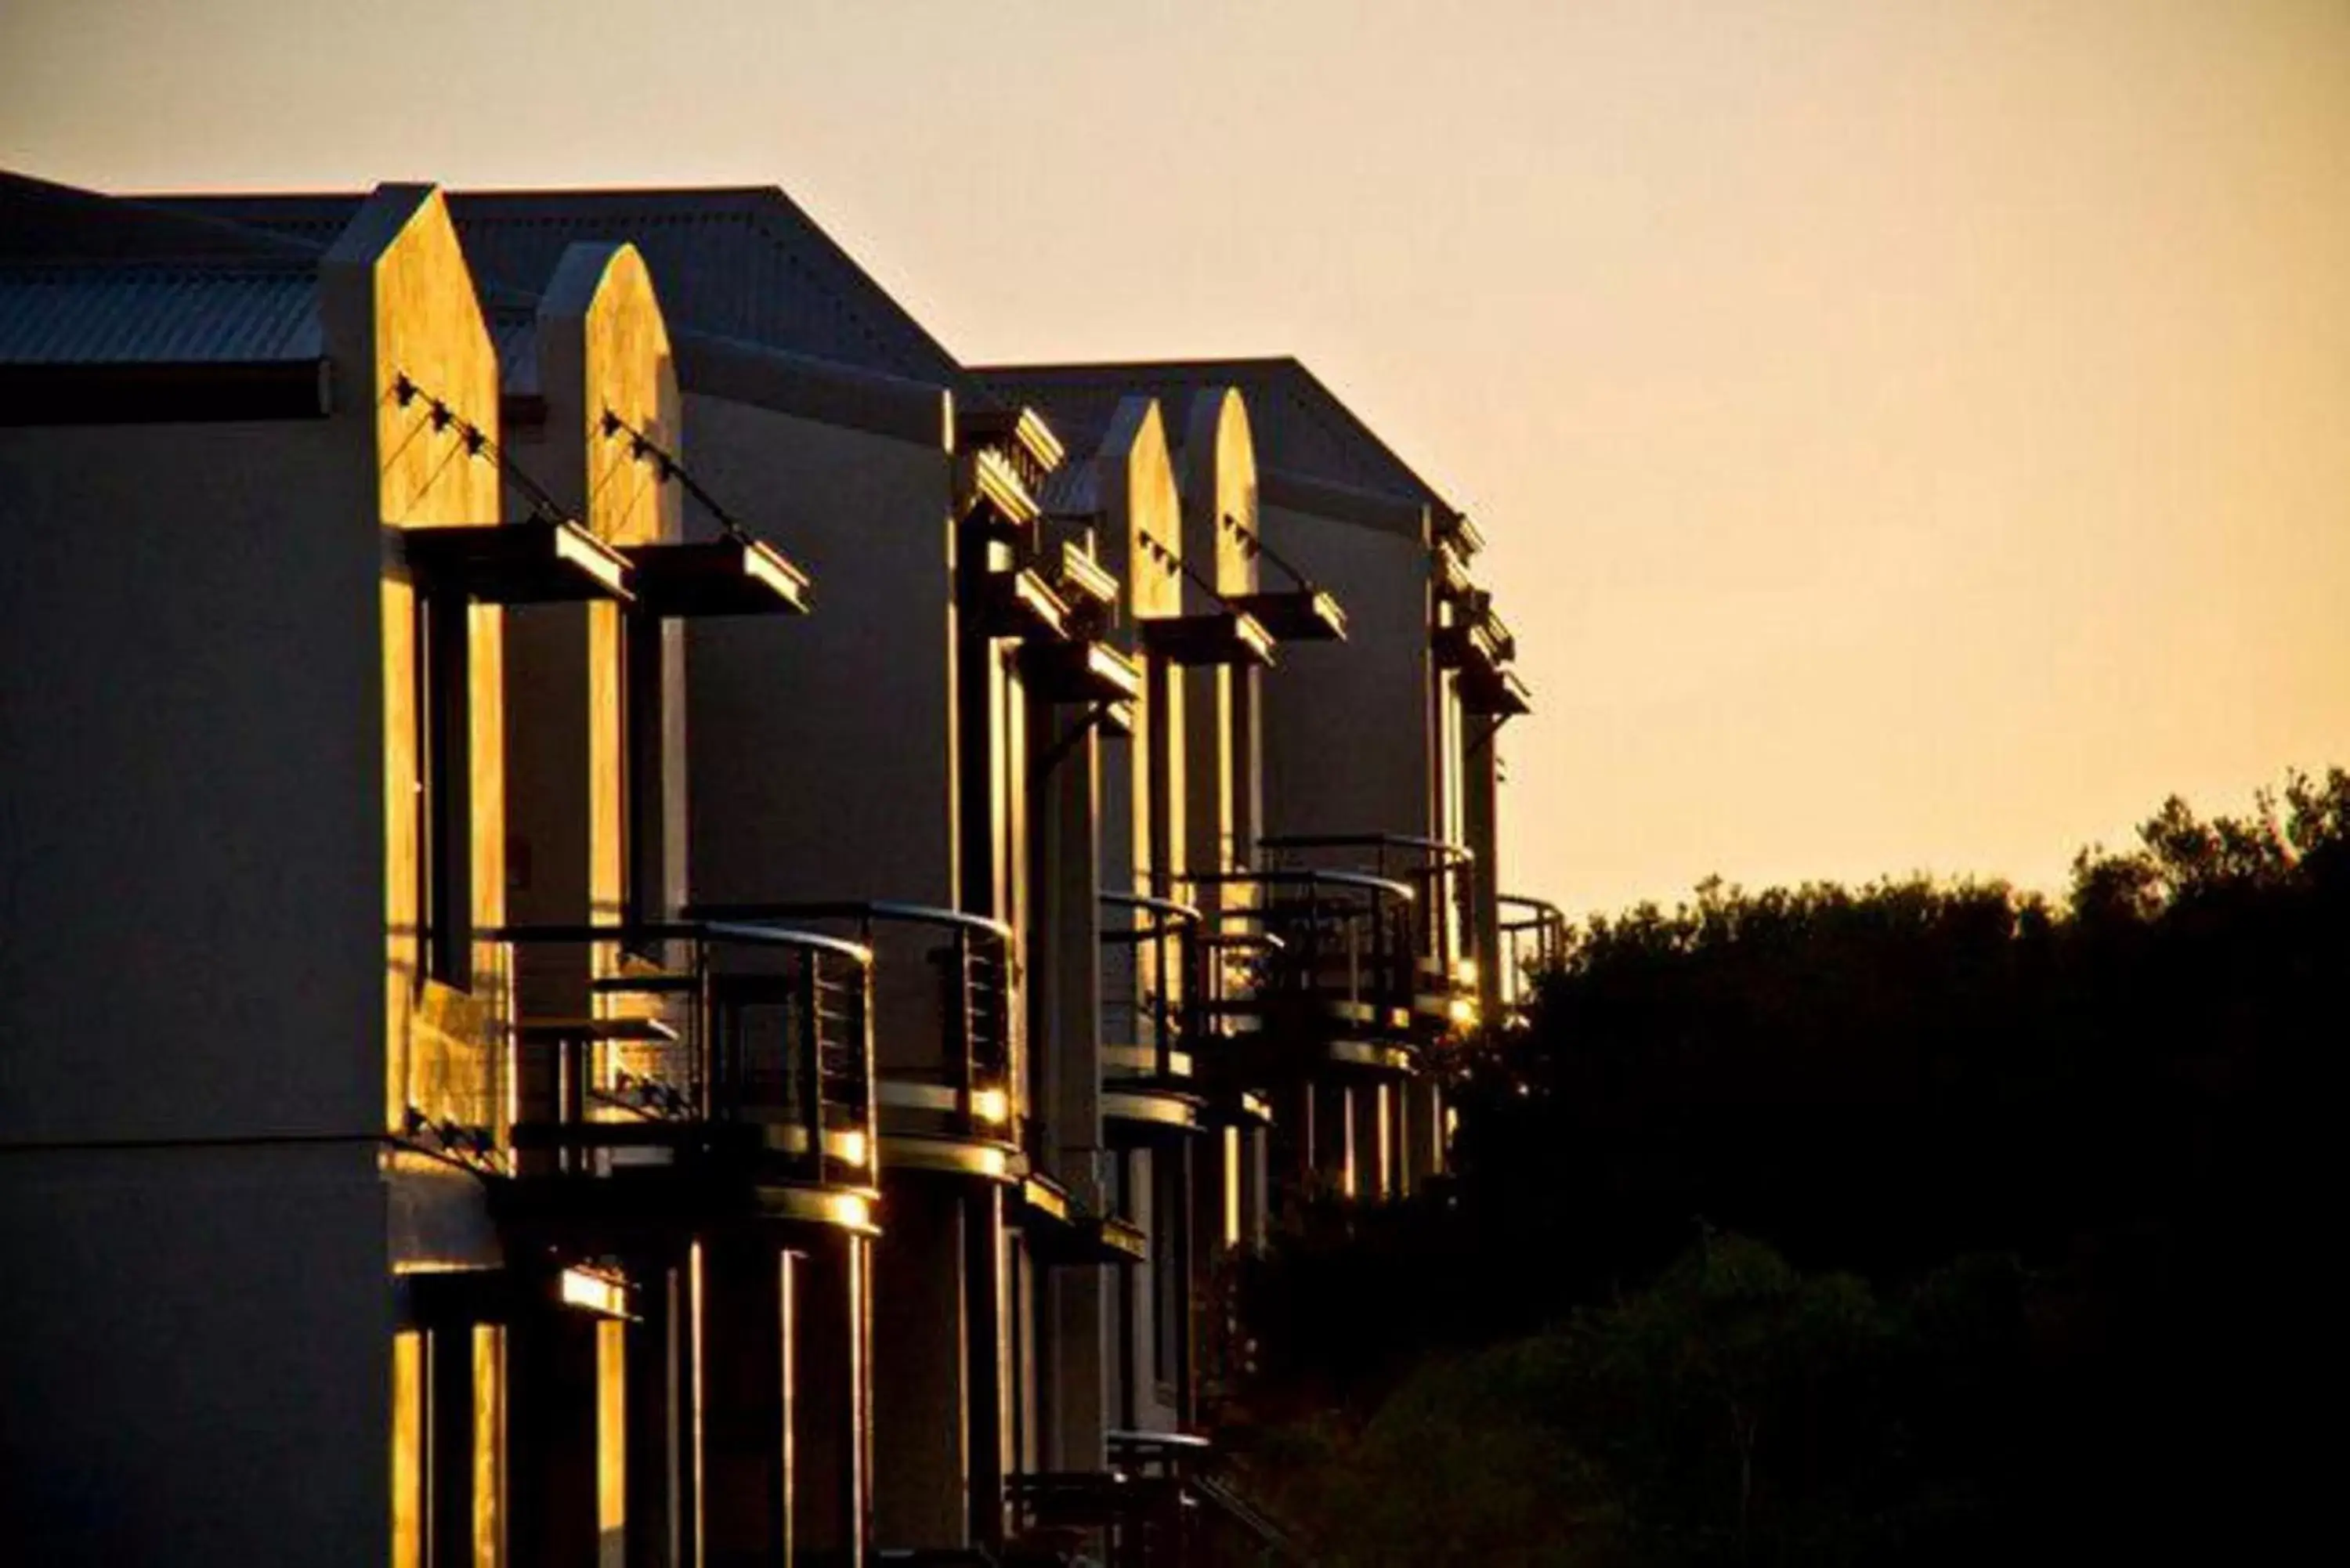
[{"x": 599, "y": 1294}]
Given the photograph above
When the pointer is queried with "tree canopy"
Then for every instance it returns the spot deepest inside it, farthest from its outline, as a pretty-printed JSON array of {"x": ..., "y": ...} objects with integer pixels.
[{"x": 1943, "y": 1212}]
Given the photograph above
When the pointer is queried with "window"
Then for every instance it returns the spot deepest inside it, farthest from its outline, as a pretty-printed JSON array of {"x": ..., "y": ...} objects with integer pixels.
[
  {"x": 1169, "y": 1288},
  {"x": 444, "y": 777},
  {"x": 644, "y": 786}
]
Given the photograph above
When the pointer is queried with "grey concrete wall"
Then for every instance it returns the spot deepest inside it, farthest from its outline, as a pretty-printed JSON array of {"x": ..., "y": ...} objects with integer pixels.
[
  {"x": 190, "y": 812},
  {"x": 821, "y": 747},
  {"x": 191, "y": 854},
  {"x": 194, "y": 1358},
  {"x": 209, "y": 1015},
  {"x": 1345, "y": 725}
]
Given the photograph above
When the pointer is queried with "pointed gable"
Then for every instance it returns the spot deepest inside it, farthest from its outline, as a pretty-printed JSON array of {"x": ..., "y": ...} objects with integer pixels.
[
  {"x": 746, "y": 264},
  {"x": 1302, "y": 429}
]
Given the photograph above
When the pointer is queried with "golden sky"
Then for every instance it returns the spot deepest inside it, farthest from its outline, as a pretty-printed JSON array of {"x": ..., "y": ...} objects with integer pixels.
[{"x": 1912, "y": 435}]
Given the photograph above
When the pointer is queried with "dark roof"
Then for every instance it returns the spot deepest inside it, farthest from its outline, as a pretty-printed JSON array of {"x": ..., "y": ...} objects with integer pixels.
[
  {"x": 745, "y": 264},
  {"x": 1300, "y": 426},
  {"x": 41, "y": 222},
  {"x": 87, "y": 280},
  {"x": 87, "y": 314}
]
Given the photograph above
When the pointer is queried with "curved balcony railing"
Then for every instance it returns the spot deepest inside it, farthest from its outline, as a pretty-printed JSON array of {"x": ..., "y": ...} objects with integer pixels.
[
  {"x": 1156, "y": 986},
  {"x": 1441, "y": 875},
  {"x": 1334, "y": 947},
  {"x": 1534, "y": 941},
  {"x": 944, "y": 1006},
  {"x": 693, "y": 1042}
]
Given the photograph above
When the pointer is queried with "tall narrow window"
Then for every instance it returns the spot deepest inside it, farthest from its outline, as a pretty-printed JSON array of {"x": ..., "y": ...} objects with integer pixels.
[
  {"x": 1169, "y": 1287},
  {"x": 644, "y": 786},
  {"x": 444, "y": 771}
]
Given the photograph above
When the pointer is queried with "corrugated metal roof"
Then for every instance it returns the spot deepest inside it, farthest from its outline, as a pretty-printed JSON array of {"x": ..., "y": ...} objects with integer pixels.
[
  {"x": 1074, "y": 489},
  {"x": 1299, "y": 424},
  {"x": 514, "y": 332},
  {"x": 84, "y": 313},
  {"x": 49, "y": 223},
  {"x": 743, "y": 264}
]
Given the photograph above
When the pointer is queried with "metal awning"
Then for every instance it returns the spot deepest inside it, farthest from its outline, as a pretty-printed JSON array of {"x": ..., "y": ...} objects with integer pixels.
[
  {"x": 1227, "y": 636},
  {"x": 1470, "y": 646},
  {"x": 1086, "y": 671},
  {"x": 1495, "y": 693},
  {"x": 1299, "y": 615},
  {"x": 1020, "y": 604},
  {"x": 1085, "y": 581},
  {"x": 731, "y": 575},
  {"x": 526, "y": 563}
]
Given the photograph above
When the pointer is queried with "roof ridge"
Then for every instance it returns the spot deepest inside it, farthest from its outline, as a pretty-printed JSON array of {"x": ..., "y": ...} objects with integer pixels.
[{"x": 1285, "y": 373}]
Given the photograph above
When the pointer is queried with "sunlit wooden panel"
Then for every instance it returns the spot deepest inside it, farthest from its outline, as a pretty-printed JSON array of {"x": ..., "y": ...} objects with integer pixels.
[{"x": 407, "y": 1449}]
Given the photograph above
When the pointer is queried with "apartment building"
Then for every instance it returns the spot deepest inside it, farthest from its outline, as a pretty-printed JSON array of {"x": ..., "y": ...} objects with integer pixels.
[
  {"x": 1377, "y": 797},
  {"x": 831, "y": 1061},
  {"x": 252, "y": 842}
]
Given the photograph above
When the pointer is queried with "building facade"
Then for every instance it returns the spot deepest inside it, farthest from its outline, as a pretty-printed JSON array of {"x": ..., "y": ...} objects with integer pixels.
[{"x": 819, "y": 903}]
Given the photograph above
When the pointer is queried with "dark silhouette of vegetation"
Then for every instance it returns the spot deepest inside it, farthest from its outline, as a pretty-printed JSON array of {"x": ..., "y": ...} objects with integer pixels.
[{"x": 1920, "y": 1223}]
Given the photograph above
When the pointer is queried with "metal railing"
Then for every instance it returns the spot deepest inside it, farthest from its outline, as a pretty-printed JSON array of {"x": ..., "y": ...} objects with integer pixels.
[
  {"x": 1441, "y": 875},
  {"x": 945, "y": 1004},
  {"x": 662, "y": 1044},
  {"x": 1315, "y": 937},
  {"x": 1155, "y": 986},
  {"x": 1160, "y": 1503},
  {"x": 1534, "y": 941}
]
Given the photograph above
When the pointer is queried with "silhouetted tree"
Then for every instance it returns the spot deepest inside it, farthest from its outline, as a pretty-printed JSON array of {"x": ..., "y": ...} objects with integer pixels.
[{"x": 2111, "y": 1104}]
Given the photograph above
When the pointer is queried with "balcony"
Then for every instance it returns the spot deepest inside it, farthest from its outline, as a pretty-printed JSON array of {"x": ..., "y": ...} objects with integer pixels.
[
  {"x": 1155, "y": 988},
  {"x": 1441, "y": 876},
  {"x": 1160, "y": 1504},
  {"x": 702, "y": 1071},
  {"x": 943, "y": 1019},
  {"x": 1317, "y": 973},
  {"x": 1534, "y": 941}
]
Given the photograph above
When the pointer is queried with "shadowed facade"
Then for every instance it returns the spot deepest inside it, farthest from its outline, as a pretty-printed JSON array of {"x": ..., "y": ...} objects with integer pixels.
[{"x": 833, "y": 1060}]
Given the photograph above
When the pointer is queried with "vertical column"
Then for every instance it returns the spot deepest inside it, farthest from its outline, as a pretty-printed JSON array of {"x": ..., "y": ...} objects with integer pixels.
[
  {"x": 552, "y": 1435},
  {"x": 656, "y": 1364},
  {"x": 1400, "y": 1139},
  {"x": 990, "y": 1359},
  {"x": 449, "y": 1442},
  {"x": 746, "y": 1387},
  {"x": 830, "y": 1421},
  {"x": 1423, "y": 1142},
  {"x": 1082, "y": 1367},
  {"x": 1482, "y": 830},
  {"x": 1368, "y": 1107},
  {"x": 1334, "y": 1162},
  {"x": 1256, "y": 1186},
  {"x": 922, "y": 1343},
  {"x": 1289, "y": 1144},
  {"x": 1183, "y": 1299}
]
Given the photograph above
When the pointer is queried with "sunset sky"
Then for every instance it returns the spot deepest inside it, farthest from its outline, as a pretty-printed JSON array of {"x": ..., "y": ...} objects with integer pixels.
[{"x": 1910, "y": 435}]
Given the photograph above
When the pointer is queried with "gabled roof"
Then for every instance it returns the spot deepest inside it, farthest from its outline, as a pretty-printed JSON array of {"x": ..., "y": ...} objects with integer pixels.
[
  {"x": 87, "y": 280},
  {"x": 57, "y": 225},
  {"x": 745, "y": 264},
  {"x": 88, "y": 314},
  {"x": 1300, "y": 426}
]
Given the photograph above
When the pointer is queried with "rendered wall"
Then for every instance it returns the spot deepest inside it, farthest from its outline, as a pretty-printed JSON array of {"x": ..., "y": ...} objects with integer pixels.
[
  {"x": 1347, "y": 747},
  {"x": 199, "y": 875},
  {"x": 820, "y": 748}
]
